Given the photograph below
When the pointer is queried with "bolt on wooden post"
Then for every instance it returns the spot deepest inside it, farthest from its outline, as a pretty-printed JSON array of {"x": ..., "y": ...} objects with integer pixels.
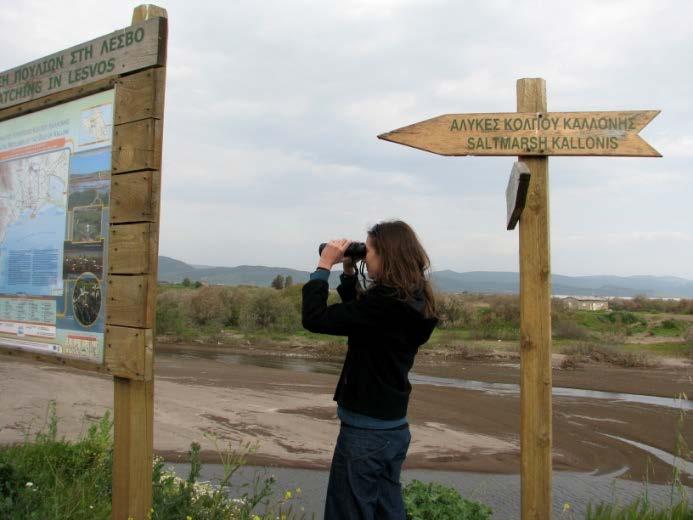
[{"x": 532, "y": 134}]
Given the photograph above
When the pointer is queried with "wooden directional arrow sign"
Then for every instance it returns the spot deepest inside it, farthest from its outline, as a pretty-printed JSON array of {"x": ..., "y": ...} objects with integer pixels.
[{"x": 548, "y": 133}]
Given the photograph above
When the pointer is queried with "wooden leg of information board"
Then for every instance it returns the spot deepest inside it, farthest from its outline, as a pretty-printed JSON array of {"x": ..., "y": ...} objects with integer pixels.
[
  {"x": 535, "y": 325},
  {"x": 133, "y": 251},
  {"x": 133, "y": 445}
]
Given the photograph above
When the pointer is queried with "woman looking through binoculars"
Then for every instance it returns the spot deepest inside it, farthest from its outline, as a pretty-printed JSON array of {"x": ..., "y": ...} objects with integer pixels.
[{"x": 386, "y": 322}]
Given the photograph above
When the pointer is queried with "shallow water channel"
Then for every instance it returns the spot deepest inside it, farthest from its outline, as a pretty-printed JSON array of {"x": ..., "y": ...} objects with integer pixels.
[
  {"x": 501, "y": 492},
  {"x": 301, "y": 364}
]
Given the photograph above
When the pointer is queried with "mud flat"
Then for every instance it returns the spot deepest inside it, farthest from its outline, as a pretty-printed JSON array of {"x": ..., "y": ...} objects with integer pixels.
[{"x": 290, "y": 414}]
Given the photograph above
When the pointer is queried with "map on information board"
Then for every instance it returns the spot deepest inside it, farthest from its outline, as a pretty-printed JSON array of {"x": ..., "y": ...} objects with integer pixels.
[{"x": 54, "y": 211}]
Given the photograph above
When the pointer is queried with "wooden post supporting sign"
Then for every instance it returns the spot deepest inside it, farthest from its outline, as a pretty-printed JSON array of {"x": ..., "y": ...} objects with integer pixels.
[
  {"x": 136, "y": 167},
  {"x": 535, "y": 324},
  {"x": 532, "y": 134}
]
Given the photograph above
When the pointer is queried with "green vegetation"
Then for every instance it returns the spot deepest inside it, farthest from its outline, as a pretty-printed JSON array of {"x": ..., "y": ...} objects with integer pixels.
[
  {"x": 640, "y": 509},
  {"x": 435, "y": 501},
  {"x": 669, "y": 328},
  {"x": 61, "y": 480},
  {"x": 52, "y": 478},
  {"x": 470, "y": 325}
]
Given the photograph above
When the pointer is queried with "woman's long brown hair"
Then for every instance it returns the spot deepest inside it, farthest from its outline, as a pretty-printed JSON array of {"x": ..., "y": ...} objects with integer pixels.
[{"x": 405, "y": 264}]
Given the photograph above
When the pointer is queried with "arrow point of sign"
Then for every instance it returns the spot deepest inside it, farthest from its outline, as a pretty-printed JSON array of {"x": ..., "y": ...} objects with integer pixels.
[
  {"x": 653, "y": 152},
  {"x": 406, "y": 137},
  {"x": 419, "y": 135},
  {"x": 649, "y": 115}
]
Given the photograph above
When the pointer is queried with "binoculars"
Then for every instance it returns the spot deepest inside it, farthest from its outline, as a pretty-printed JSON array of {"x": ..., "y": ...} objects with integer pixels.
[{"x": 355, "y": 250}]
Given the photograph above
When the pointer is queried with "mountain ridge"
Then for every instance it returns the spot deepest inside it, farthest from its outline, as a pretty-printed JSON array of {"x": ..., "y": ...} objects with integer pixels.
[{"x": 500, "y": 282}]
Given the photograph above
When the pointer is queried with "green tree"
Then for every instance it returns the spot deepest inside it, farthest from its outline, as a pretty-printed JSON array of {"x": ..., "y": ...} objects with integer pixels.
[
  {"x": 288, "y": 282},
  {"x": 278, "y": 282},
  {"x": 186, "y": 282}
]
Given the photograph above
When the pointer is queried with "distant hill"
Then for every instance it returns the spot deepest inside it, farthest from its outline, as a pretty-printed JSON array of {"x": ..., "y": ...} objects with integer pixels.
[{"x": 497, "y": 282}]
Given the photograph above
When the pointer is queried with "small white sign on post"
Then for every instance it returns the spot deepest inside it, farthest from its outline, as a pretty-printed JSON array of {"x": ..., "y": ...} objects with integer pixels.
[{"x": 516, "y": 192}]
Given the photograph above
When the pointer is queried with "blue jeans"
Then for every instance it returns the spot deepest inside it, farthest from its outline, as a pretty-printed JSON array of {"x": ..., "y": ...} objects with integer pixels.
[{"x": 364, "y": 477}]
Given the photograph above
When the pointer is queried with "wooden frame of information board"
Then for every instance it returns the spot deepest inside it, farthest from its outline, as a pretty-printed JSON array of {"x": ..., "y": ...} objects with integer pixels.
[{"x": 137, "y": 74}]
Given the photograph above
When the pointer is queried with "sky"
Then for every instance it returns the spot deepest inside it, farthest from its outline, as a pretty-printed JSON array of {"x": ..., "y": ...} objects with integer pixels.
[{"x": 273, "y": 108}]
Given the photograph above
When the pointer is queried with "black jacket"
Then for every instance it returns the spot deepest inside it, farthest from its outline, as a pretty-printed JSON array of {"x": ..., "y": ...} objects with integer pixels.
[{"x": 384, "y": 334}]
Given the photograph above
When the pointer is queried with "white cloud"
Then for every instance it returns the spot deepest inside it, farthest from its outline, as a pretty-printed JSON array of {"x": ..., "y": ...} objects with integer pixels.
[{"x": 273, "y": 109}]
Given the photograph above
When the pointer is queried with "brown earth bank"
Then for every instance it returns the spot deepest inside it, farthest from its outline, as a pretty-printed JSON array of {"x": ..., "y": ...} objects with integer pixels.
[
  {"x": 292, "y": 417},
  {"x": 497, "y": 365}
]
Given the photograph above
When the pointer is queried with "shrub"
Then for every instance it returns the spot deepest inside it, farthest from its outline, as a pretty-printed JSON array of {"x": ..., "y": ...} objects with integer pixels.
[
  {"x": 433, "y": 501},
  {"x": 567, "y": 329},
  {"x": 265, "y": 310},
  {"x": 670, "y": 324},
  {"x": 233, "y": 299},
  {"x": 169, "y": 318},
  {"x": 206, "y": 305},
  {"x": 669, "y": 327},
  {"x": 452, "y": 311}
]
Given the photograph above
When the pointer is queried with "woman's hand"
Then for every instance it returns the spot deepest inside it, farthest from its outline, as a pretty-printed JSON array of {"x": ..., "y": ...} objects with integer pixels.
[
  {"x": 349, "y": 265},
  {"x": 333, "y": 253}
]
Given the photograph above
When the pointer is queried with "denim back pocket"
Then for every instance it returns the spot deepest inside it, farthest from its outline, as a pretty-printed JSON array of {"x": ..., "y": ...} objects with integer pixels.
[{"x": 357, "y": 444}]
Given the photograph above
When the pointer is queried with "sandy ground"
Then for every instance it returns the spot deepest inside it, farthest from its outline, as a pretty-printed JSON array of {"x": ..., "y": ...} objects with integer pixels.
[{"x": 292, "y": 417}]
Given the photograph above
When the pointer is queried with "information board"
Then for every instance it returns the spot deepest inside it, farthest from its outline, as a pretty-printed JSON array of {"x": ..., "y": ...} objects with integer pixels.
[{"x": 55, "y": 184}]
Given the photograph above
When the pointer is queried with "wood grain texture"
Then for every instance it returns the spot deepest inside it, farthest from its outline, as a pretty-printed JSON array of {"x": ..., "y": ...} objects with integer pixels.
[
  {"x": 137, "y": 146},
  {"x": 126, "y": 50},
  {"x": 129, "y": 248},
  {"x": 535, "y": 325},
  {"x": 537, "y": 133},
  {"x": 146, "y": 12},
  {"x": 140, "y": 96},
  {"x": 128, "y": 301},
  {"x": 135, "y": 197},
  {"x": 132, "y": 448},
  {"x": 134, "y": 249},
  {"x": 128, "y": 352}
]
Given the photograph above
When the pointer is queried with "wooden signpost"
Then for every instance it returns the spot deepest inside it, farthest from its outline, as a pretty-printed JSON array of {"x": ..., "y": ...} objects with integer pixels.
[
  {"x": 532, "y": 134},
  {"x": 100, "y": 312}
]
